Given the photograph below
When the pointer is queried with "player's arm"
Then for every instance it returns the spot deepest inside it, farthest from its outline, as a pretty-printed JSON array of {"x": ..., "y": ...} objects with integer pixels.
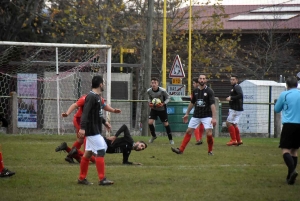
[
  {"x": 279, "y": 103},
  {"x": 186, "y": 116},
  {"x": 73, "y": 107},
  {"x": 110, "y": 109},
  {"x": 239, "y": 91},
  {"x": 106, "y": 124},
  {"x": 214, "y": 114},
  {"x": 167, "y": 97},
  {"x": 190, "y": 107},
  {"x": 151, "y": 105},
  {"x": 213, "y": 107}
]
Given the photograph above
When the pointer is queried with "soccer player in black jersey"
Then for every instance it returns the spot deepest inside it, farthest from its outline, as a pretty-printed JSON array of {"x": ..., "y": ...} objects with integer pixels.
[
  {"x": 198, "y": 131},
  {"x": 90, "y": 128},
  {"x": 116, "y": 144},
  {"x": 235, "y": 111},
  {"x": 124, "y": 144},
  {"x": 203, "y": 100}
]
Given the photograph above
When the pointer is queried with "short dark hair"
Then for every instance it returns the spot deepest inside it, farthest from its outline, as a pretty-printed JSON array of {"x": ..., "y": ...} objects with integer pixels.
[
  {"x": 233, "y": 75},
  {"x": 291, "y": 82},
  {"x": 195, "y": 79},
  {"x": 155, "y": 79},
  {"x": 203, "y": 75},
  {"x": 143, "y": 143},
  {"x": 96, "y": 81}
]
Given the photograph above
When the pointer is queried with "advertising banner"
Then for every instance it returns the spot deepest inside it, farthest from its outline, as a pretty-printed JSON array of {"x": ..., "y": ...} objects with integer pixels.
[{"x": 27, "y": 102}]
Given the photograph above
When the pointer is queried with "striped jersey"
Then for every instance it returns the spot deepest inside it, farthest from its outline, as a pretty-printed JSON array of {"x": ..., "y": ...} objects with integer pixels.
[
  {"x": 236, "y": 98},
  {"x": 202, "y": 100},
  {"x": 92, "y": 114},
  {"x": 160, "y": 93}
]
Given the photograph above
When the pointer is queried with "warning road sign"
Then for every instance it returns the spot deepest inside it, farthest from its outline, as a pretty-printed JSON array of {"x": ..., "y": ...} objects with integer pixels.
[{"x": 176, "y": 70}]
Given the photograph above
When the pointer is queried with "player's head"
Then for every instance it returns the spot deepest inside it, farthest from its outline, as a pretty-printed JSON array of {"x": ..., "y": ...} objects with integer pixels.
[
  {"x": 154, "y": 83},
  {"x": 298, "y": 76},
  {"x": 98, "y": 82},
  {"x": 234, "y": 79},
  {"x": 139, "y": 146},
  {"x": 291, "y": 82},
  {"x": 195, "y": 82},
  {"x": 202, "y": 80}
]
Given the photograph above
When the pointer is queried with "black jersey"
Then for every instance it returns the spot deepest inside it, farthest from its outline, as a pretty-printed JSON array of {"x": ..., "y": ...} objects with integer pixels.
[
  {"x": 236, "y": 98},
  {"x": 120, "y": 144},
  {"x": 92, "y": 114},
  {"x": 203, "y": 99}
]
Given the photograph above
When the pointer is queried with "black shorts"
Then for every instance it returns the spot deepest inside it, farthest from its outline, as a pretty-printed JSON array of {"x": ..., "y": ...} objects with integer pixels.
[
  {"x": 163, "y": 115},
  {"x": 290, "y": 136}
]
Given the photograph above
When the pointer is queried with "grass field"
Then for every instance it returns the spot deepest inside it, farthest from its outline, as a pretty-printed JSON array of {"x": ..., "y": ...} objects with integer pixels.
[{"x": 254, "y": 171}]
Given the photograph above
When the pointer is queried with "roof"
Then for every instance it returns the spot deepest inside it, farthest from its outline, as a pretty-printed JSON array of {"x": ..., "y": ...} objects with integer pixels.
[
  {"x": 249, "y": 18},
  {"x": 262, "y": 83}
]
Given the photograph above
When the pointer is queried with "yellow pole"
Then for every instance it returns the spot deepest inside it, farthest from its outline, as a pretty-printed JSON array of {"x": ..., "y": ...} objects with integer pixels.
[
  {"x": 121, "y": 59},
  {"x": 190, "y": 52},
  {"x": 164, "y": 62}
]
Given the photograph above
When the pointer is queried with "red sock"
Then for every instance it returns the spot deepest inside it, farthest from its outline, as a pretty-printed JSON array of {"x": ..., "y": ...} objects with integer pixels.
[
  {"x": 237, "y": 134},
  {"x": 68, "y": 149},
  {"x": 84, "y": 166},
  {"x": 93, "y": 159},
  {"x": 185, "y": 141},
  {"x": 1, "y": 162},
  {"x": 100, "y": 165},
  {"x": 231, "y": 130},
  {"x": 210, "y": 142},
  {"x": 77, "y": 144},
  {"x": 201, "y": 130},
  {"x": 197, "y": 134},
  {"x": 80, "y": 153}
]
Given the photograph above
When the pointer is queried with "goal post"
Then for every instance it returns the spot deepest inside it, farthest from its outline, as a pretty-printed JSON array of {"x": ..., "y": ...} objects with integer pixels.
[{"x": 47, "y": 79}]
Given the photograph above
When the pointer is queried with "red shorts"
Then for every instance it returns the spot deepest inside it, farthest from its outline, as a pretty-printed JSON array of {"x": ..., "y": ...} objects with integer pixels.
[{"x": 76, "y": 122}]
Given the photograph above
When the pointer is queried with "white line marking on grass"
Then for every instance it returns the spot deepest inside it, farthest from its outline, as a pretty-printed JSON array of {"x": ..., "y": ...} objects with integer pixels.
[{"x": 150, "y": 166}]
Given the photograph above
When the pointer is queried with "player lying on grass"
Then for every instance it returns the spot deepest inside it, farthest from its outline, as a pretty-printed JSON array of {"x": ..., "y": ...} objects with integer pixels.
[
  {"x": 76, "y": 122},
  {"x": 73, "y": 152},
  {"x": 115, "y": 144}
]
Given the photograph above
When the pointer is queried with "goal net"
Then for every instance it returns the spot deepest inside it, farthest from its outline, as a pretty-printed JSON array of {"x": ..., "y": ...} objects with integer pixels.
[{"x": 45, "y": 79}]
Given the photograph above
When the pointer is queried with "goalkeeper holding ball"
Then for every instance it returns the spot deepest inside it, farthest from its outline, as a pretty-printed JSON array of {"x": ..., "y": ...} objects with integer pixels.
[{"x": 158, "y": 99}]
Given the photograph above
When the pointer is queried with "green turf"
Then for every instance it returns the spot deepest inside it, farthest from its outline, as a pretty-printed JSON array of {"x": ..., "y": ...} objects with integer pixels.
[{"x": 254, "y": 171}]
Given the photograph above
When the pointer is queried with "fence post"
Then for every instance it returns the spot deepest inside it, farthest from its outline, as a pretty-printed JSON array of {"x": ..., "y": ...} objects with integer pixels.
[
  {"x": 277, "y": 123},
  {"x": 216, "y": 128},
  {"x": 13, "y": 126}
]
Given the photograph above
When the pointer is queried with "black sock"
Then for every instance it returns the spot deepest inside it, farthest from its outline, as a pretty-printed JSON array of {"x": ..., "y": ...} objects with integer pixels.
[
  {"x": 152, "y": 130},
  {"x": 289, "y": 163},
  {"x": 295, "y": 158},
  {"x": 168, "y": 129}
]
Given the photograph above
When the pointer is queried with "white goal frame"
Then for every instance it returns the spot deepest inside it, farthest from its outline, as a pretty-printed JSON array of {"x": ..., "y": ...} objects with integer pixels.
[{"x": 108, "y": 48}]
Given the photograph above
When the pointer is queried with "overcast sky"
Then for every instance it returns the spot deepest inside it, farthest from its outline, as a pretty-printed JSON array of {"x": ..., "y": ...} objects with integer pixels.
[{"x": 246, "y": 2}]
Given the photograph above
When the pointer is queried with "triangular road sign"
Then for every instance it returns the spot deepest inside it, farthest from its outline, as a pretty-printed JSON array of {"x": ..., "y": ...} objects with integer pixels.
[{"x": 176, "y": 70}]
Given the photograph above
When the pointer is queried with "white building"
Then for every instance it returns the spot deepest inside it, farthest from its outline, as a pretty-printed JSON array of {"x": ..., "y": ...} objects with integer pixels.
[{"x": 259, "y": 116}]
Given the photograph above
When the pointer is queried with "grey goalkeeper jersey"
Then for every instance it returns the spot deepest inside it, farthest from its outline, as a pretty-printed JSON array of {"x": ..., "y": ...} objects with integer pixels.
[{"x": 162, "y": 94}]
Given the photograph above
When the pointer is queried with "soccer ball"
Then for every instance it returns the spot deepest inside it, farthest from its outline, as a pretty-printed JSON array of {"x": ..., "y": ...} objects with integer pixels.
[{"x": 156, "y": 101}]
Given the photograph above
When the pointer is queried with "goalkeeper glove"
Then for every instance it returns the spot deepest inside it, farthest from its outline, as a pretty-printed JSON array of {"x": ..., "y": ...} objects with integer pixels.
[{"x": 159, "y": 105}]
